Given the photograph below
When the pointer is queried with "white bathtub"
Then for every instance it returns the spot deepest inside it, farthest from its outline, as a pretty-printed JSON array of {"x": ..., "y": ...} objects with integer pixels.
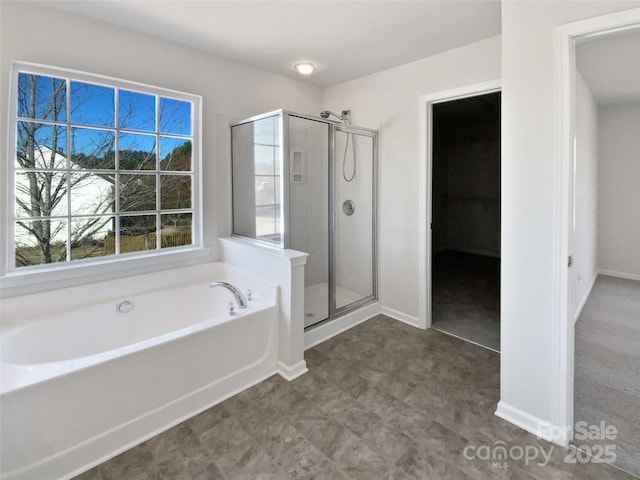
[{"x": 79, "y": 386}]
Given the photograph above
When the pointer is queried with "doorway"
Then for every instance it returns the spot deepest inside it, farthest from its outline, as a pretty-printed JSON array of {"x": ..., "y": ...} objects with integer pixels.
[
  {"x": 425, "y": 211},
  {"x": 604, "y": 233},
  {"x": 465, "y": 225},
  {"x": 564, "y": 326}
]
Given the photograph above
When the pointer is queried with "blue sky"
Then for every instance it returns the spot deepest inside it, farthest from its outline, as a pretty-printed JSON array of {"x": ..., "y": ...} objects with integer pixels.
[{"x": 94, "y": 105}]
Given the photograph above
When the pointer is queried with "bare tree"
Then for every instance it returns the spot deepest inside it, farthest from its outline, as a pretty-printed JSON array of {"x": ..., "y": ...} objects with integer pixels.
[
  {"x": 44, "y": 180},
  {"x": 51, "y": 180}
]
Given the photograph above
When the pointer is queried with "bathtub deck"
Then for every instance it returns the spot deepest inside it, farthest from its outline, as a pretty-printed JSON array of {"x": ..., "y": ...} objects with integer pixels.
[{"x": 382, "y": 400}]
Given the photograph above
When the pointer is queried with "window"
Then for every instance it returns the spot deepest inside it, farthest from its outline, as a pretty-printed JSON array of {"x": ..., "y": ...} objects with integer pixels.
[
  {"x": 267, "y": 178},
  {"x": 101, "y": 168}
]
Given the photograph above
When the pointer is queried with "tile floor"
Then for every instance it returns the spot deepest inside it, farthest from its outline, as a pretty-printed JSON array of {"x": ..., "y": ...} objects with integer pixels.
[
  {"x": 382, "y": 401},
  {"x": 466, "y": 296}
]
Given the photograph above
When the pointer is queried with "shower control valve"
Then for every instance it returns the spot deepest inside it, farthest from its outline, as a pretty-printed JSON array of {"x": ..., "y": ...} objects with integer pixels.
[
  {"x": 231, "y": 309},
  {"x": 249, "y": 294},
  {"x": 348, "y": 207}
]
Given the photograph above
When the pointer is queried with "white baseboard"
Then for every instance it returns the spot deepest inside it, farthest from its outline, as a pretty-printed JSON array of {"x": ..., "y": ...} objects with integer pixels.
[
  {"x": 532, "y": 424},
  {"x": 326, "y": 330},
  {"x": 400, "y": 316},
  {"x": 292, "y": 372},
  {"x": 585, "y": 298},
  {"x": 625, "y": 275}
]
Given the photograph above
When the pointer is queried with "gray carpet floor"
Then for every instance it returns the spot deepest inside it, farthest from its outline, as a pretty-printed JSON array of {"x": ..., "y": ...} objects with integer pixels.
[
  {"x": 607, "y": 366},
  {"x": 466, "y": 297}
]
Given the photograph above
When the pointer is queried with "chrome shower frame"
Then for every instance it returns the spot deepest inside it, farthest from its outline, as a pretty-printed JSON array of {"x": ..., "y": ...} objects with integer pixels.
[
  {"x": 334, "y": 126},
  {"x": 334, "y": 311}
]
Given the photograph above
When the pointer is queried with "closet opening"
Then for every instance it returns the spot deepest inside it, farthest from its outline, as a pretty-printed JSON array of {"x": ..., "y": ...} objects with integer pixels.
[{"x": 465, "y": 220}]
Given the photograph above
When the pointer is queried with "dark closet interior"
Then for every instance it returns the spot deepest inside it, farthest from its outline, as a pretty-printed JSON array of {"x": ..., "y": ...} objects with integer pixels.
[{"x": 466, "y": 219}]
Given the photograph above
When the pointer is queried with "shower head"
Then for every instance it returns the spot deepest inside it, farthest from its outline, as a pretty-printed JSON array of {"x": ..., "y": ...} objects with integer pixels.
[
  {"x": 328, "y": 113},
  {"x": 344, "y": 116}
]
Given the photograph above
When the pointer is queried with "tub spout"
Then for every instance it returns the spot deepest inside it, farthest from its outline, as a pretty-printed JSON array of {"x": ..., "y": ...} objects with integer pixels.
[{"x": 241, "y": 300}]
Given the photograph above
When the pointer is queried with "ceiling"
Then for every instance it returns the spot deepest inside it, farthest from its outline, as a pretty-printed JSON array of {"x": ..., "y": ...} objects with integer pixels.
[
  {"x": 344, "y": 39},
  {"x": 610, "y": 65}
]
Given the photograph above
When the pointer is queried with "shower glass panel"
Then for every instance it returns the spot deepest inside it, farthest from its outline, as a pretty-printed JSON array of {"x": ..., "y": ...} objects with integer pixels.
[
  {"x": 298, "y": 184},
  {"x": 309, "y": 210},
  {"x": 256, "y": 179},
  {"x": 354, "y": 228}
]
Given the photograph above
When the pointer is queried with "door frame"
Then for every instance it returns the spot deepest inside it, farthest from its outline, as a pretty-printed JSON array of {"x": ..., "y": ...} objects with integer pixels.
[
  {"x": 334, "y": 310},
  {"x": 562, "y": 348},
  {"x": 425, "y": 188}
]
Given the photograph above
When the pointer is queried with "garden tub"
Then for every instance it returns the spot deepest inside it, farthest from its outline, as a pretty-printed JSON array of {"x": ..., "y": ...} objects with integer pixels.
[{"x": 83, "y": 383}]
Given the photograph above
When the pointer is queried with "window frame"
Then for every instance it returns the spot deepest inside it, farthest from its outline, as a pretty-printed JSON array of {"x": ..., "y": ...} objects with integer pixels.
[
  {"x": 275, "y": 177},
  {"x": 117, "y": 260}
]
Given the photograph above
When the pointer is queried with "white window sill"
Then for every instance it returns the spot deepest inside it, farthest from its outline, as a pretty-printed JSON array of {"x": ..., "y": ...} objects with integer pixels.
[{"x": 71, "y": 275}]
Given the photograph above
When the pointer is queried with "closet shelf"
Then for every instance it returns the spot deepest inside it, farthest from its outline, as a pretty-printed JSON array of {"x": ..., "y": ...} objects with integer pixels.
[{"x": 472, "y": 198}]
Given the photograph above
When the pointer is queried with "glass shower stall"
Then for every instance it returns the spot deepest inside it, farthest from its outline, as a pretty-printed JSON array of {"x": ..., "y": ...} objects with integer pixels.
[{"x": 309, "y": 184}]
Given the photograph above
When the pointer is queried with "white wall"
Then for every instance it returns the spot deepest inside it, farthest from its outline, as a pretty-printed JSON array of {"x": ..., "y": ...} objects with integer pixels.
[
  {"x": 619, "y": 192},
  {"x": 530, "y": 188},
  {"x": 34, "y": 33},
  {"x": 585, "y": 196},
  {"x": 388, "y": 101}
]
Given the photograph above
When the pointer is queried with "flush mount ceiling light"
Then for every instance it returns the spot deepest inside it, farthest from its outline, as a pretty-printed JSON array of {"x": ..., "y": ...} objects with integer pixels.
[{"x": 305, "y": 68}]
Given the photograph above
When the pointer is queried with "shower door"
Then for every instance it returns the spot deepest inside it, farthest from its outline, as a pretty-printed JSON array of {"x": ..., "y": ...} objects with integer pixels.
[{"x": 353, "y": 197}]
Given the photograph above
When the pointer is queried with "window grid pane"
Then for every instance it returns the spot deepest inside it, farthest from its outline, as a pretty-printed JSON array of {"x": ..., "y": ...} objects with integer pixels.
[
  {"x": 92, "y": 104},
  {"x": 88, "y": 207},
  {"x": 266, "y": 154},
  {"x": 41, "y": 145},
  {"x": 41, "y": 97}
]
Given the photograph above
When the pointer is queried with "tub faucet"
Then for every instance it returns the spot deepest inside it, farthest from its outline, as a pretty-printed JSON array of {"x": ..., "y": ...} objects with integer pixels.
[{"x": 241, "y": 300}]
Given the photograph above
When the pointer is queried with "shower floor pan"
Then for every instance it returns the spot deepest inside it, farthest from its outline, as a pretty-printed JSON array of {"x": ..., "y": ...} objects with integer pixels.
[{"x": 316, "y": 302}]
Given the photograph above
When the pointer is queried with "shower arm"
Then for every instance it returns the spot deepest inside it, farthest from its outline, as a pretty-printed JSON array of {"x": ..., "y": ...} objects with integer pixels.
[{"x": 344, "y": 116}]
